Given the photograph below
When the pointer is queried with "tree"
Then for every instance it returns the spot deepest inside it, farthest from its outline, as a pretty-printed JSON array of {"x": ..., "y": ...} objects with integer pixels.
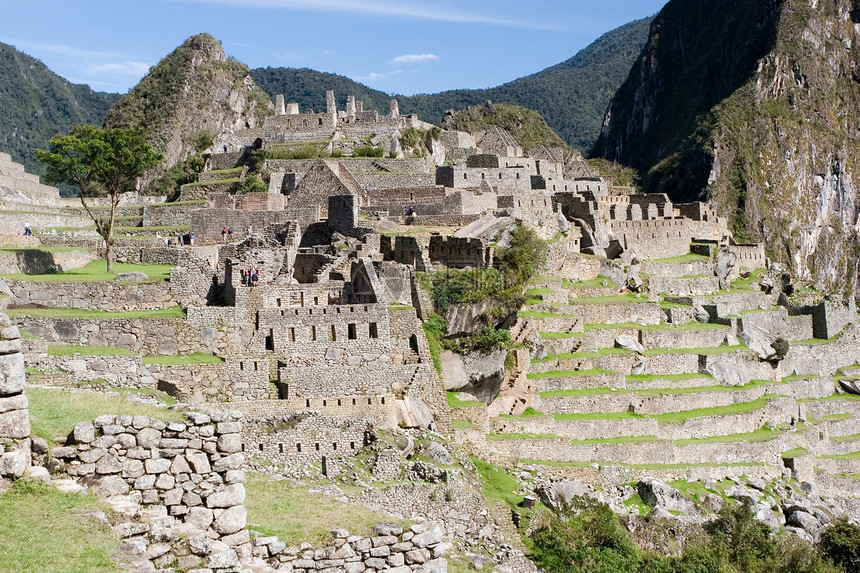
[{"x": 101, "y": 163}]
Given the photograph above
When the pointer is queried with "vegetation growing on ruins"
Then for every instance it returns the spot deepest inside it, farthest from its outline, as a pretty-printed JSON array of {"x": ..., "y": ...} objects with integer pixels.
[
  {"x": 94, "y": 272},
  {"x": 100, "y": 163},
  {"x": 526, "y": 126},
  {"x": 587, "y": 537},
  {"x": 34, "y": 511}
]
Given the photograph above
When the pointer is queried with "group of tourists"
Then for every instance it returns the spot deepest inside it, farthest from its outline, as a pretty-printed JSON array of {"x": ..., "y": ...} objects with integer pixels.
[
  {"x": 250, "y": 277},
  {"x": 226, "y": 234}
]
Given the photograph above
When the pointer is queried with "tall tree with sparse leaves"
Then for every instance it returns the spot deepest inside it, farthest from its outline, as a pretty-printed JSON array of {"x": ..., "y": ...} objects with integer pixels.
[{"x": 101, "y": 163}]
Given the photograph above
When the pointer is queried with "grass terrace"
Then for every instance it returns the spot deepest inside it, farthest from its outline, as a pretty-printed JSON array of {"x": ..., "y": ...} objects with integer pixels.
[
  {"x": 688, "y": 258},
  {"x": 739, "y": 408},
  {"x": 612, "y": 299},
  {"x": 795, "y": 453},
  {"x": 455, "y": 402},
  {"x": 533, "y": 314},
  {"x": 708, "y": 351},
  {"x": 172, "y": 312},
  {"x": 567, "y": 373},
  {"x": 656, "y": 391},
  {"x": 621, "y": 440},
  {"x": 593, "y": 283},
  {"x": 762, "y": 435},
  {"x": 561, "y": 335},
  {"x": 648, "y": 467},
  {"x": 188, "y": 359},
  {"x": 95, "y": 272},
  {"x": 853, "y": 456},
  {"x": 70, "y": 350},
  {"x": 462, "y": 425},
  {"x": 295, "y": 514},
  {"x": 54, "y": 413},
  {"x": 42, "y": 529},
  {"x": 516, "y": 436},
  {"x": 687, "y": 327}
]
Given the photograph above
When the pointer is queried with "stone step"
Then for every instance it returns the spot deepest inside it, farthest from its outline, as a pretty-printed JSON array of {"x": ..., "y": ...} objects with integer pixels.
[
  {"x": 663, "y": 336},
  {"x": 657, "y": 269}
]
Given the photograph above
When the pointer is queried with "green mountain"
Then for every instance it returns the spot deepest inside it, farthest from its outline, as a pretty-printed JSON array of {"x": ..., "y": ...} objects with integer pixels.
[
  {"x": 525, "y": 125},
  {"x": 754, "y": 106},
  {"x": 37, "y": 104},
  {"x": 572, "y": 96},
  {"x": 189, "y": 96}
]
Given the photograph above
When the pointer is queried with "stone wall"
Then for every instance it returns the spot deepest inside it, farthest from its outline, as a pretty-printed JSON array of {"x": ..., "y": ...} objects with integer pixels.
[
  {"x": 663, "y": 238},
  {"x": 206, "y": 224},
  {"x": 305, "y": 437},
  {"x": 102, "y": 295},
  {"x": 151, "y": 336},
  {"x": 14, "y": 408},
  {"x": 185, "y": 475},
  {"x": 320, "y": 381},
  {"x": 165, "y": 214}
]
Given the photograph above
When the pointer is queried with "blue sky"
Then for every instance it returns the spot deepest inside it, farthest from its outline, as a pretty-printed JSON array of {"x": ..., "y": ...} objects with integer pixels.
[{"x": 397, "y": 46}]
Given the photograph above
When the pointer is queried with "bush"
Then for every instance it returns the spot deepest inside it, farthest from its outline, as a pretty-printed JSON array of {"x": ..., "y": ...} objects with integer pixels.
[
  {"x": 367, "y": 151},
  {"x": 485, "y": 341},
  {"x": 252, "y": 184},
  {"x": 411, "y": 137},
  {"x": 841, "y": 543},
  {"x": 524, "y": 257}
]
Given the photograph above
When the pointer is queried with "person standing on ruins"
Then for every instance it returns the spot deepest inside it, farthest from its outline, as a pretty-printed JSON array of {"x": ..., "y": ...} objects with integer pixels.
[{"x": 223, "y": 234}]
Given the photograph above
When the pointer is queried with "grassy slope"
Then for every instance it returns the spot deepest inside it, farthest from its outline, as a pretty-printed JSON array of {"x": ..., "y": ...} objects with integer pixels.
[{"x": 42, "y": 529}]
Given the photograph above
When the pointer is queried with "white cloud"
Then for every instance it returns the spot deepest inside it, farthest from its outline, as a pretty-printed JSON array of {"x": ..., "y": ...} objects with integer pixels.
[
  {"x": 375, "y": 76},
  {"x": 129, "y": 68},
  {"x": 391, "y": 8},
  {"x": 415, "y": 58}
]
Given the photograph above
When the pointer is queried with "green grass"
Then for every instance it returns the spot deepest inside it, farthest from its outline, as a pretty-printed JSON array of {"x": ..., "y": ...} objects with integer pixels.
[
  {"x": 621, "y": 440},
  {"x": 709, "y": 351},
  {"x": 230, "y": 180},
  {"x": 667, "y": 377},
  {"x": 534, "y": 314},
  {"x": 795, "y": 453},
  {"x": 462, "y": 425},
  {"x": 455, "y": 402},
  {"x": 688, "y": 258},
  {"x": 42, "y": 529},
  {"x": 44, "y": 249},
  {"x": 583, "y": 392},
  {"x": 853, "y": 456},
  {"x": 561, "y": 335},
  {"x": 521, "y": 436},
  {"x": 497, "y": 484},
  {"x": 69, "y": 350},
  {"x": 611, "y": 299},
  {"x": 53, "y": 413},
  {"x": 597, "y": 416},
  {"x": 296, "y": 515},
  {"x": 836, "y": 417},
  {"x": 655, "y": 391},
  {"x": 852, "y": 438},
  {"x": 567, "y": 373},
  {"x": 172, "y": 312},
  {"x": 596, "y": 354},
  {"x": 596, "y": 282},
  {"x": 94, "y": 272},
  {"x": 539, "y": 291},
  {"x": 739, "y": 408},
  {"x": 649, "y": 467},
  {"x": 688, "y": 327},
  {"x": 762, "y": 435},
  {"x": 833, "y": 398},
  {"x": 196, "y": 358}
]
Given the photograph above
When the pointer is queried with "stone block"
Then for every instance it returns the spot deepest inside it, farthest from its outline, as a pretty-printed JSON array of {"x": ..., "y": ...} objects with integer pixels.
[
  {"x": 11, "y": 403},
  {"x": 92, "y": 456},
  {"x": 231, "y": 462},
  {"x": 108, "y": 465},
  {"x": 230, "y": 443},
  {"x": 157, "y": 466},
  {"x": 231, "y": 520},
  {"x": 148, "y": 438},
  {"x": 12, "y": 376},
  {"x": 230, "y": 496},
  {"x": 15, "y": 424},
  {"x": 165, "y": 481},
  {"x": 200, "y": 517},
  {"x": 13, "y": 464}
]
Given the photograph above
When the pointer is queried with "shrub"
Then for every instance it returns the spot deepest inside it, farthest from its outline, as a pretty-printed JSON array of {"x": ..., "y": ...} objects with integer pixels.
[
  {"x": 411, "y": 137},
  {"x": 252, "y": 184},
  {"x": 780, "y": 348},
  {"x": 367, "y": 151},
  {"x": 841, "y": 543}
]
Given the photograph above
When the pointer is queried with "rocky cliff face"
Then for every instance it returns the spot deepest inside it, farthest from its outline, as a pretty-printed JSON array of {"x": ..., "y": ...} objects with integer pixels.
[
  {"x": 755, "y": 106},
  {"x": 194, "y": 92}
]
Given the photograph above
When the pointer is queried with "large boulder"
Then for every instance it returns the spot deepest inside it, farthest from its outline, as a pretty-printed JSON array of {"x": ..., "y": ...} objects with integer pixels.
[
  {"x": 481, "y": 376},
  {"x": 559, "y": 494},
  {"x": 657, "y": 493}
]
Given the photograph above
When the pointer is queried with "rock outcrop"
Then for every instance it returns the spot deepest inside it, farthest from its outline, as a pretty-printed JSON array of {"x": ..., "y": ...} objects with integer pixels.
[
  {"x": 752, "y": 105},
  {"x": 194, "y": 92}
]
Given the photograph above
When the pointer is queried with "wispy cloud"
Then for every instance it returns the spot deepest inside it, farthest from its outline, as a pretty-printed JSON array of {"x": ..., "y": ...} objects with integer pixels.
[
  {"x": 389, "y": 8},
  {"x": 107, "y": 70},
  {"x": 415, "y": 58},
  {"x": 128, "y": 68},
  {"x": 375, "y": 76},
  {"x": 288, "y": 56}
]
